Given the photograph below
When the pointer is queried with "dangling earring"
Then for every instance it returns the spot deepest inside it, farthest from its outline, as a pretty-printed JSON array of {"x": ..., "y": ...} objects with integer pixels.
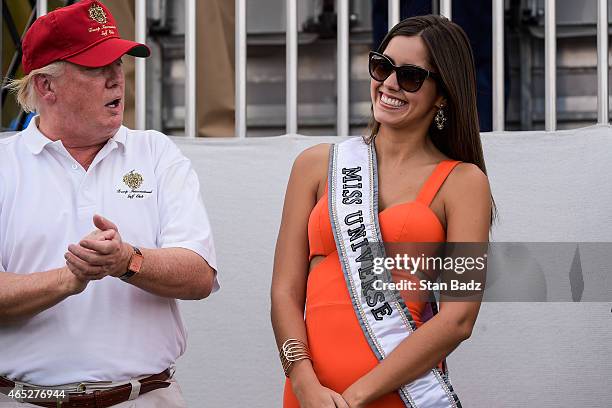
[{"x": 440, "y": 118}]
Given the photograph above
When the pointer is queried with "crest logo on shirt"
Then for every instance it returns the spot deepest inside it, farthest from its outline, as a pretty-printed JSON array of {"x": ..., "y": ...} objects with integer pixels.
[
  {"x": 133, "y": 180},
  {"x": 97, "y": 14}
]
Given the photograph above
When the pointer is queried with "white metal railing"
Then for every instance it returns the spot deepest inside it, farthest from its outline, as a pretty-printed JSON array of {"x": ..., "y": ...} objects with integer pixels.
[
  {"x": 602, "y": 62},
  {"x": 498, "y": 65},
  {"x": 550, "y": 65},
  {"x": 41, "y": 8},
  {"x": 394, "y": 13},
  {"x": 140, "y": 16},
  {"x": 240, "y": 67},
  {"x": 446, "y": 9},
  {"x": 190, "y": 69},
  {"x": 343, "y": 68},
  {"x": 140, "y": 24},
  {"x": 291, "y": 47}
]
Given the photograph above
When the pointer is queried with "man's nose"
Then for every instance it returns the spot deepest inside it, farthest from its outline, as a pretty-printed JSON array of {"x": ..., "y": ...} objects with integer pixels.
[{"x": 114, "y": 73}]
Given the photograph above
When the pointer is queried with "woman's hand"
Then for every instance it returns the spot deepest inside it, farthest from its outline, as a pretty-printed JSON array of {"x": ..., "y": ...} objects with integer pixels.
[
  {"x": 314, "y": 395},
  {"x": 353, "y": 398}
]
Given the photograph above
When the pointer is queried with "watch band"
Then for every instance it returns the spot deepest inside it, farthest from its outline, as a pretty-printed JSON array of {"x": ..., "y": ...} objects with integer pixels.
[{"x": 134, "y": 264}]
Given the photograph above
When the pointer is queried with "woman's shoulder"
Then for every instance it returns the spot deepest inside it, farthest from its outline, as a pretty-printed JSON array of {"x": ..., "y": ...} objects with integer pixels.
[
  {"x": 315, "y": 154},
  {"x": 313, "y": 158},
  {"x": 467, "y": 181},
  {"x": 312, "y": 162},
  {"x": 468, "y": 174}
]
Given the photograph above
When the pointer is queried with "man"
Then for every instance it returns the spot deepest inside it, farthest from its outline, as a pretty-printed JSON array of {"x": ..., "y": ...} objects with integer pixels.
[{"x": 102, "y": 228}]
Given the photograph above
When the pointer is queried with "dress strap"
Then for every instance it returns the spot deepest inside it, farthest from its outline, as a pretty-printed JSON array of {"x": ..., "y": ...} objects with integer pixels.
[{"x": 435, "y": 181}]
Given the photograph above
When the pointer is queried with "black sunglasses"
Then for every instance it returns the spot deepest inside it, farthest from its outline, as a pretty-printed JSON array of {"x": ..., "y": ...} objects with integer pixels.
[{"x": 409, "y": 77}]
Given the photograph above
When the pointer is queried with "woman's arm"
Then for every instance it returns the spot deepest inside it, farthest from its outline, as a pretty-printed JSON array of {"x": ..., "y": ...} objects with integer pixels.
[
  {"x": 291, "y": 271},
  {"x": 467, "y": 207}
]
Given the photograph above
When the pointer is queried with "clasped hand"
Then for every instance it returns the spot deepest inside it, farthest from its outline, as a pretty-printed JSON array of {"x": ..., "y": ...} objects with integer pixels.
[
  {"x": 99, "y": 254},
  {"x": 313, "y": 394}
]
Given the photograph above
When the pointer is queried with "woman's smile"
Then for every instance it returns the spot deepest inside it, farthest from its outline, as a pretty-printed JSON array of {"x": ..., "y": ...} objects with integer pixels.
[{"x": 390, "y": 102}]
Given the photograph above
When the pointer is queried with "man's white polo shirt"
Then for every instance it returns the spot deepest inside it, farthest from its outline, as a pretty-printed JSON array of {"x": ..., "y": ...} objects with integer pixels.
[{"x": 112, "y": 330}]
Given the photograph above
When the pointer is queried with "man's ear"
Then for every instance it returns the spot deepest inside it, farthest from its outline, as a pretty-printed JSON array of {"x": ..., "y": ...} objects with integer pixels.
[{"x": 44, "y": 87}]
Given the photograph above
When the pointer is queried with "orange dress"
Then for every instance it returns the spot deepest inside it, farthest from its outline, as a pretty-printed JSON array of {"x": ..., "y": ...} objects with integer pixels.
[{"x": 340, "y": 353}]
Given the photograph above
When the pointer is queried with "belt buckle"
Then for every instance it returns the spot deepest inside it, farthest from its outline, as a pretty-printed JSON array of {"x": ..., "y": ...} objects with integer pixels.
[
  {"x": 19, "y": 389},
  {"x": 171, "y": 371},
  {"x": 83, "y": 386}
]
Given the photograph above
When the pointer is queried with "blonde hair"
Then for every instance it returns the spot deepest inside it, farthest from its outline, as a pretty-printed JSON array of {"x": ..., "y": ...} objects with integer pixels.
[{"x": 23, "y": 88}]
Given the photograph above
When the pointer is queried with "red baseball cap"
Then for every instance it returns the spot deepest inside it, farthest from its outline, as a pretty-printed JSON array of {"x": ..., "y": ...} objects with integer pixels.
[{"x": 84, "y": 33}]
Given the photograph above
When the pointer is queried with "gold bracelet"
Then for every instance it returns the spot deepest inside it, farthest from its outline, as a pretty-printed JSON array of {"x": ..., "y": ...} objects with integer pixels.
[{"x": 291, "y": 351}]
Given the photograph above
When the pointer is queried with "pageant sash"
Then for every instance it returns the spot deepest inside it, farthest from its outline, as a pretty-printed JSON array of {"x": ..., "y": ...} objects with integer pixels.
[{"x": 383, "y": 315}]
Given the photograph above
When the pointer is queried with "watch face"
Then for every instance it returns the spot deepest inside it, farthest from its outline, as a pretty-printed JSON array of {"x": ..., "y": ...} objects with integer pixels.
[{"x": 136, "y": 262}]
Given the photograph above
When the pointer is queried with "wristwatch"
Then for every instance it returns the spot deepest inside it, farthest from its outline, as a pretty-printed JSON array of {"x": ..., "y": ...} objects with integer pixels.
[{"x": 134, "y": 265}]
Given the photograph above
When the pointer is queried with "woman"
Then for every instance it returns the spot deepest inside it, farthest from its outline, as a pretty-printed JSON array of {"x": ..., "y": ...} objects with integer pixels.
[{"x": 431, "y": 186}]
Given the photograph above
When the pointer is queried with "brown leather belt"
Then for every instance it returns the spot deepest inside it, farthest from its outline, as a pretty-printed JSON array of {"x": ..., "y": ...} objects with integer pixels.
[{"x": 101, "y": 398}]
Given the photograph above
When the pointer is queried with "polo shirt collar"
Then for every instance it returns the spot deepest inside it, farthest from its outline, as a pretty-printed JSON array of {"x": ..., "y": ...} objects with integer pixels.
[
  {"x": 36, "y": 141},
  {"x": 120, "y": 136},
  {"x": 33, "y": 138}
]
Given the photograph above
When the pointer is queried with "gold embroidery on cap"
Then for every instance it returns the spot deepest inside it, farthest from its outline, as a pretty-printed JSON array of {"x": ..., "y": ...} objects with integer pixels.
[
  {"x": 97, "y": 13},
  {"x": 133, "y": 180}
]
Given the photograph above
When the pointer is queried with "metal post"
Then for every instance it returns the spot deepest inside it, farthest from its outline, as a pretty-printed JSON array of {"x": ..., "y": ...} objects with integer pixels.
[
  {"x": 291, "y": 67},
  {"x": 603, "y": 116},
  {"x": 394, "y": 13},
  {"x": 446, "y": 8},
  {"x": 498, "y": 65},
  {"x": 240, "y": 63},
  {"x": 342, "y": 69},
  {"x": 550, "y": 64},
  {"x": 190, "y": 69},
  {"x": 140, "y": 65},
  {"x": 41, "y": 8}
]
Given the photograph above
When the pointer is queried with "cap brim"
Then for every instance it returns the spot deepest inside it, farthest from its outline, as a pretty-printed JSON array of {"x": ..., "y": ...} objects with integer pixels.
[{"x": 106, "y": 52}]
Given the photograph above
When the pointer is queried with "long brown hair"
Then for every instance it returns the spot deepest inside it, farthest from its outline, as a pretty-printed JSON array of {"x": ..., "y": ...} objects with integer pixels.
[{"x": 451, "y": 56}]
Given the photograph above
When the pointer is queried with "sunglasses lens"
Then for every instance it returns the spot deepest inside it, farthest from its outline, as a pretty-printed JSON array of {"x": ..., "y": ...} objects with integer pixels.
[
  {"x": 380, "y": 69},
  {"x": 411, "y": 78}
]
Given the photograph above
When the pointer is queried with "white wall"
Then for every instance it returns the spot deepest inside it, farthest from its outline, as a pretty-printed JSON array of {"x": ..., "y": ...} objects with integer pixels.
[{"x": 548, "y": 187}]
